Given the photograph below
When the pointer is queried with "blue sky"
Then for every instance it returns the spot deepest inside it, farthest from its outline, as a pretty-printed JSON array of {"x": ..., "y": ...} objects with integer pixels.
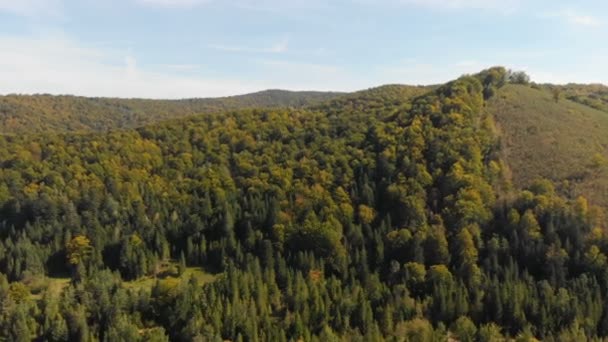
[{"x": 201, "y": 48}]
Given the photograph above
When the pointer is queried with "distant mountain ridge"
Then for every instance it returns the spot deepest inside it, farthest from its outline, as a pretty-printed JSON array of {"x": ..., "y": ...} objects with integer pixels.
[{"x": 64, "y": 113}]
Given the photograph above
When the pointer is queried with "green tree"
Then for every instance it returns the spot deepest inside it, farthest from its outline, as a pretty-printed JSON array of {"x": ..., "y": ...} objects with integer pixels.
[{"x": 464, "y": 329}]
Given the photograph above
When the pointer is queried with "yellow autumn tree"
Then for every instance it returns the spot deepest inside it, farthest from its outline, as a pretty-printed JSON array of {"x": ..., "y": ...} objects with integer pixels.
[
  {"x": 78, "y": 249},
  {"x": 366, "y": 214}
]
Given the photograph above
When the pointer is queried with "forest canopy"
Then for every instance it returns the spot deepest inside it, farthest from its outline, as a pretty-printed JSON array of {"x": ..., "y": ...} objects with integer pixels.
[{"x": 381, "y": 215}]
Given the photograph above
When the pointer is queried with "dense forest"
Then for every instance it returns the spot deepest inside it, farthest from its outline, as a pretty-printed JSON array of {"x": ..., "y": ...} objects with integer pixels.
[
  {"x": 384, "y": 215},
  {"x": 47, "y": 113}
]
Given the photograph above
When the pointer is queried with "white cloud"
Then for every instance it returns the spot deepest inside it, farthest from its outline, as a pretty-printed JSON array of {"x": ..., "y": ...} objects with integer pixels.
[
  {"x": 294, "y": 75},
  {"x": 61, "y": 66},
  {"x": 279, "y": 47},
  {"x": 591, "y": 68},
  {"x": 254, "y": 5},
  {"x": 279, "y": 5},
  {"x": 173, "y": 3},
  {"x": 575, "y": 18},
  {"x": 460, "y": 3},
  {"x": 181, "y": 67},
  {"x": 295, "y": 66},
  {"x": 561, "y": 77},
  {"x": 32, "y": 7},
  {"x": 411, "y": 71},
  {"x": 496, "y": 5},
  {"x": 467, "y": 63},
  {"x": 131, "y": 67}
]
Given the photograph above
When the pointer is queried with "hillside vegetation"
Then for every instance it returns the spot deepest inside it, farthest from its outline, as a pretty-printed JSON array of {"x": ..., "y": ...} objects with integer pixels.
[
  {"x": 47, "y": 113},
  {"x": 563, "y": 141},
  {"x": 383, "y": 215},
  {"x": 592, "y": 95}
]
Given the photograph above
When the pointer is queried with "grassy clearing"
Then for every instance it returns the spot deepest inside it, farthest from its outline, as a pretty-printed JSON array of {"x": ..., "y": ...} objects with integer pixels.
[
  {"x": 563, "y": 141},
  {"x": 147, "y": 282},
  {"x": 38, "y": 286}
]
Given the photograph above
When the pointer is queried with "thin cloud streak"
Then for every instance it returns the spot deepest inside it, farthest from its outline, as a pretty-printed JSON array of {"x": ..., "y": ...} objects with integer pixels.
[
  {"x": 30, "y": 8},
  {"x": 575, "y": 18},
  {"x": 60, "y": 66},
  {"x": 173, "y": 3},
  {"x": 504, "y": 6},
  {"x": 250, "y": 5},
  {"x": 280, "y": 47}
]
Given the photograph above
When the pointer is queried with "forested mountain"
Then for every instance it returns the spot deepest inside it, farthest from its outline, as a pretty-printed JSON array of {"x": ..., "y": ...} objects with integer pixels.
[
  {"x": 387, "y": 214},
  {"x": 47, "y": 113}
]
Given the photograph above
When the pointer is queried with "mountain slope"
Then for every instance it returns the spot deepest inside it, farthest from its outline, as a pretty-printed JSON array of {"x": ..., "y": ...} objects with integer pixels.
[
  {"x": 592, "y": 95},
  {"x": 46, "y": 113},
  {"x": 373, "y": 217},
  {"x": 563, "y": 141}
]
